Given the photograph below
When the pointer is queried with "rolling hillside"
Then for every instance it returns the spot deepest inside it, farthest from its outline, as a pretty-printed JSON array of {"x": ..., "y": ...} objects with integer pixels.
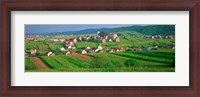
[{"x": 144, "y": 30}]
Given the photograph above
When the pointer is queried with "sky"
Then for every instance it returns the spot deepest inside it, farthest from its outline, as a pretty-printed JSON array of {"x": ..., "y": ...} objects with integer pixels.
[{"x": 38, "y": 28}]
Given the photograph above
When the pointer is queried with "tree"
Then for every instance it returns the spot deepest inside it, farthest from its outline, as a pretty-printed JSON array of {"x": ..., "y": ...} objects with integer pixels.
[{"x": 102, "y": 61}]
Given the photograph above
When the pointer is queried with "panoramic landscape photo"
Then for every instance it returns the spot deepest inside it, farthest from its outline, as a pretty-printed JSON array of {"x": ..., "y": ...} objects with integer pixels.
[{"x": 99, "y": 48}]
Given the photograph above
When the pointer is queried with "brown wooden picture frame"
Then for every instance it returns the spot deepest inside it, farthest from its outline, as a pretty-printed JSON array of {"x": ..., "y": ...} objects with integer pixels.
[{"x": 193, "y": 90}]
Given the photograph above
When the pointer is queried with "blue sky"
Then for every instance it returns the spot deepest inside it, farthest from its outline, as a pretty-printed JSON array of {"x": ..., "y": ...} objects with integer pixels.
[{"x": 45, "y": 28}]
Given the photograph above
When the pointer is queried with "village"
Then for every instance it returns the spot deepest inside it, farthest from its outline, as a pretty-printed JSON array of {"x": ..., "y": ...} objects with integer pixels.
[{"x": 102, "y": 38}]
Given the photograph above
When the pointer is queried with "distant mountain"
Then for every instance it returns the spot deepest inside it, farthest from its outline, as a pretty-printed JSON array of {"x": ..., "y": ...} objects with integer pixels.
[
  {"x": 147, "y": 30},
  {"x": 157, "y": 30},
  {"x": 94, "y": 31}
]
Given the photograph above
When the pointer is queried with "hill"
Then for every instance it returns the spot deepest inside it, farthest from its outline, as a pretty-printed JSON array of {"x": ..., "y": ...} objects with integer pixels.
[
  {"x": 157, "y": 30},
  {"x": 137, "y": 30}
]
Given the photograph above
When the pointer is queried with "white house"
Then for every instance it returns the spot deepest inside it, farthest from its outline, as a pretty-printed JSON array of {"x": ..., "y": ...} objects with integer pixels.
[
  {"x": 74, "y": 40},
  {"x": 100, "y": 47},
  {"x": 84, "y": 52},
  {"x": 33, "y": 51},
  {"x": 67, "y": 53},
  {"x": 88, "y": 48},
  {"x": 50, "y": 54},
  {"x": 62, "y": 49},
  {"x": 97, "y": 50},
  {"x": 69, "y": 47}
]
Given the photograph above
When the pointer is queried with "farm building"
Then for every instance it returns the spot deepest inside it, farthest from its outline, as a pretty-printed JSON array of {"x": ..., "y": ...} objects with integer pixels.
[
  {"x": 74, "y": 40},
  {"x": 117, "y": 39},
  {"x": 71, "y": 43},
  {"x": 100, "y": 47},
  {"x": 50, "y": 54},
  {"x": 113, "y": 35},
  {"x": 110, "y": 40},
  {"x": 62, "y": 49},
  {"x": 112, "y": 50},
  {"x": 83, "y": 52},
  {"x": 121, "y": 50},
  {"x": 136, "y": 49},
  {"x": 79, "y": 38},
  {"x": 69, "y": 47},
  {"x": 33, "y": 51},
  {"x": 67, "y": 53},
  {"x": 88, "y": 48},
  {"x": 103, "y": 40},
  {"x": 29, "y": 38}
]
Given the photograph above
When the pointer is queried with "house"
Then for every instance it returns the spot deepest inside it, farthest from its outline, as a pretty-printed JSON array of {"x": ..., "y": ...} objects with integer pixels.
[
  {"x": 113, "y": 35},
  {"x": 112, "y": 50},
  {"x": 50, "y": 54},
  {"x": 69, "y": 47},
  {"x": 171, "y": 37},
  {"x": 88, "y": 48},
  {"x": 110, "y": 40},
  {"x": 117, "y": 39},
  {"x": 166, "y": 37},
  {"x": 152, "y": 48},
  {"x": 106, "y": 37},
  {"x": 33, "y": 51},
  {"x": 79, "y": 38},
  {"x": 88, "y": 38},
  {"x": 98, "y": 32},
  {"x": 29, "y": 38},
  {"x": 74, "y": 40},
  {"x": 67, "y": 53},
  {"x": 71, "y": 43},
  {"x": 136, "y": 49},
  {"x": 62, "y": 49},
  {"x": 100, "y": 47},
  {"x": 66, "y": 41},
  {"x": 159, "y": 37},
  {"x": 121, "y": 49},
  {"x": 103, "y": 40},
  {"x": 152, "y": 37},
  {"x": 62, "y": 40},
  {"x": 97, "y": 50},
  {"x": 83, "y": 52},
  {"x": 35, "y": 39}
]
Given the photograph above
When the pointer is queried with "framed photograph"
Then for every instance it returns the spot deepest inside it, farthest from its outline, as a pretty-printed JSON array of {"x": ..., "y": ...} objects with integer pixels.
[{"x": 140, "y": 48}]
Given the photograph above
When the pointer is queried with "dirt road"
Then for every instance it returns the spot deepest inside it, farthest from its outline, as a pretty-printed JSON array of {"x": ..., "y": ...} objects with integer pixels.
[
  {"x": 81, "y": 56},
  {"x": 40, "y": 64}
]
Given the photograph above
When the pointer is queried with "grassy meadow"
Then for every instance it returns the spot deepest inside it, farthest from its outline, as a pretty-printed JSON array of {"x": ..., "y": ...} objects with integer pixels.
[{"x": 131, "y": 61}]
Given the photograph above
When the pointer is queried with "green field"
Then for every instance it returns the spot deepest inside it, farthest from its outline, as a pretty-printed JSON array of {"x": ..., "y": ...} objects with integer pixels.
[
  {"x": 84, "y": 44},
  {"x": 29, "y": 64},
  {"x": 138, "y": 42},
  {"x": 32, "y": 44},
  {"x": 130, "y": 61}
]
